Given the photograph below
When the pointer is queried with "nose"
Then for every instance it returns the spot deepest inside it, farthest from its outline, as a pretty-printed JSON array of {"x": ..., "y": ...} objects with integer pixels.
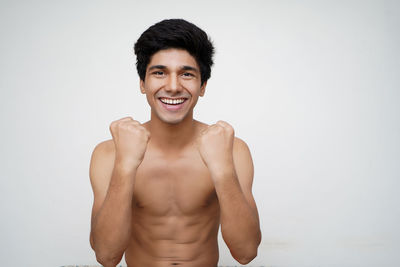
[{"x": 173, "y": 85}]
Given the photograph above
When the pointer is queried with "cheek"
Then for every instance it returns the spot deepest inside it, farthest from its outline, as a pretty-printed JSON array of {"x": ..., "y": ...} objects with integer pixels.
[
  {"x": 151, "y": 87},
  {"x": 193, "y": 88},
  {"x": 149, "y": 99},
  {"x": 150, "y": 91}
]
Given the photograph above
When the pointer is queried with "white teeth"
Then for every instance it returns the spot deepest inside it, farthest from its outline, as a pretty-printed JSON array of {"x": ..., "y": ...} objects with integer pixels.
[{"x": 172, "y": 101}]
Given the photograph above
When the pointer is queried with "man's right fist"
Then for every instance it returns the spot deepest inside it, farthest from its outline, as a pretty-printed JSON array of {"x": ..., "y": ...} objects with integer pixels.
[{"x": 130, "y": 139}]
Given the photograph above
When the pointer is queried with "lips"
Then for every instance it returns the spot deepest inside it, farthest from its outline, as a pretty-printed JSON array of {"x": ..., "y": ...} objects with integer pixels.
[
  {"x": 172, "y": 104},
  {"x": 172, "y": 101}
]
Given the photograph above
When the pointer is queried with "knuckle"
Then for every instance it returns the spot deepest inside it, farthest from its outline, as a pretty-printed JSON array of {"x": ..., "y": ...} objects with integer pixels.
[
  {"x": 113, "y": 125},
  {"x": 123, "y": 125},
  {"x": 142, "y": 130},
  {"x": 126, "y": 119},
  {"x": 130, "y": 127}
]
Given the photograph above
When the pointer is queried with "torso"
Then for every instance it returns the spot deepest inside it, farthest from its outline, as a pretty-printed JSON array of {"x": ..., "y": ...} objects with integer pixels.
[{"x": 175, "y": 212}]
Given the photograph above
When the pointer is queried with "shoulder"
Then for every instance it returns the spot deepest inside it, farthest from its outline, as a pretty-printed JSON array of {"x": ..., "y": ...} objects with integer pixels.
[
  {"x": 241, "y": 154},
  {"x": 102, "y": 160},
  {"x": 104, "y": 148},
  {"x": 243, "y": 162},
  {"x": 240, "y": 146}
]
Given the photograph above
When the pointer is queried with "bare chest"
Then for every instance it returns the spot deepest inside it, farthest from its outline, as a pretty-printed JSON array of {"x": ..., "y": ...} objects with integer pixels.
[{"x": 176, "y": 186}]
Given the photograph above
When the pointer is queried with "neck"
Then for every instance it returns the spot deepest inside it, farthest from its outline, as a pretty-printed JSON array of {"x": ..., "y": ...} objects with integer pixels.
[{"x": 171, "y": 136}]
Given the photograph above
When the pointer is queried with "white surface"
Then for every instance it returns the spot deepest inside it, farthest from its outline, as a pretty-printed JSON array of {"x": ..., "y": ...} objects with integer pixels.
[{"x": 311, "y": 86}]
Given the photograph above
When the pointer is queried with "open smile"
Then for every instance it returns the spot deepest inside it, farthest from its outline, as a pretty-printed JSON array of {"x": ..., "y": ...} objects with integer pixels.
[
  {"x": 172, "y": 104},
  {"x": 172, "y": 101}
]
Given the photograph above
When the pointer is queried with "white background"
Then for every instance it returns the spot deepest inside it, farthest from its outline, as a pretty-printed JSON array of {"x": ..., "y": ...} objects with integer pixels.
[{"x": 311, "y": 86}]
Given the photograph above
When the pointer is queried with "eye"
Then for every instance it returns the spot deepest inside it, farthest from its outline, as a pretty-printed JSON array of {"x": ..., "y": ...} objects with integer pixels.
[
  {"x": 187, "y": 74},
  {"x": 158, "y": 73}
]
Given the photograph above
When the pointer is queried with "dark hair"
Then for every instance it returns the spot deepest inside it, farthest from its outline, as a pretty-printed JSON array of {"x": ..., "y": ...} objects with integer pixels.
[{"x": 175, "y": 33}]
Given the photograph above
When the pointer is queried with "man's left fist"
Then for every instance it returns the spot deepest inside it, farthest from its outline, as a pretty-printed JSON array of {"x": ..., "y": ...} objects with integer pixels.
[{"x": 215, "y": 145}]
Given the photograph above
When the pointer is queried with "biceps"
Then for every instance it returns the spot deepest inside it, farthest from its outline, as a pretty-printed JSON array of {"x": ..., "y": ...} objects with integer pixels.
[
  {"x": 101, "y": 167},
  {"x": 252, "y": 203},
  {"x": 100, "y": 187},
  {"x": 245, "y": 171}
]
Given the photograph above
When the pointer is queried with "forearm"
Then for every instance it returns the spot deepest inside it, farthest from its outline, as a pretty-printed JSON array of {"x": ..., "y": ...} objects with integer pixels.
[
  {"x": 111, "y": 227},
  {"x": 239, "y": 221}
]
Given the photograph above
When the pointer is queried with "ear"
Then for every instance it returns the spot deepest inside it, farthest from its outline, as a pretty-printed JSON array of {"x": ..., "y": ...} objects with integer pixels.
[
  {"x": 142, "y": 87},
  {"x": 203, "y": 88}
]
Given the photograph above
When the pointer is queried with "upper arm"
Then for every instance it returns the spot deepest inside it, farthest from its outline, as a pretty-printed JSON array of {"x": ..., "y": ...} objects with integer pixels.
[
  {"x": 244, "y": 170},
  {"x": 101, "y": 167}
]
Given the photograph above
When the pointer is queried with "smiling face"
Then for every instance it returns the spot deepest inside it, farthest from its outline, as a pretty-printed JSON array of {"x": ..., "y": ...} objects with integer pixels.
[{"x": 172, "y": 85}]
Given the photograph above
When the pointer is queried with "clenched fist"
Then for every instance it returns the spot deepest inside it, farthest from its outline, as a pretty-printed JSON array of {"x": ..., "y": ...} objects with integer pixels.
[
  {"x": 130, "y": 139},
  {"x": 215, "y": 145}
]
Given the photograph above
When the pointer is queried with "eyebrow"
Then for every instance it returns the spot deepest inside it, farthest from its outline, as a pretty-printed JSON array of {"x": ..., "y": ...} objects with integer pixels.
[
  {"x": 163, "y": 67},
  {"x": 190, "y": 68},
  {"x": 157, "y": 67}
]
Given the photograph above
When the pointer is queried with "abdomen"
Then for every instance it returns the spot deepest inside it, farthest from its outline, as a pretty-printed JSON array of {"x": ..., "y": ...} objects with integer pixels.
[{"x": 188, "y": 241}]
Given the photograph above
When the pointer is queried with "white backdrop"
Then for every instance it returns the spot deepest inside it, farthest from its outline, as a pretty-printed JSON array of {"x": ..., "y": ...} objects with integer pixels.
[{"x": 311, "y": 86}]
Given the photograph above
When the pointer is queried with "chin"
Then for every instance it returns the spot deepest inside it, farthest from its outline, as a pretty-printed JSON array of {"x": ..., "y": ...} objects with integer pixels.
[{"x": 171, "y": 120}]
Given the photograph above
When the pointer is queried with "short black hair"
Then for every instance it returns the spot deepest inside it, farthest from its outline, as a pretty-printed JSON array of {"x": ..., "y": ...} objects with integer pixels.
[{"x": 175, "y": 33}]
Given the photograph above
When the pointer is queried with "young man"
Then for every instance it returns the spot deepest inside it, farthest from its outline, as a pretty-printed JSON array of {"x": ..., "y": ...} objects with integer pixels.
[{"x": 162, "y": 188}]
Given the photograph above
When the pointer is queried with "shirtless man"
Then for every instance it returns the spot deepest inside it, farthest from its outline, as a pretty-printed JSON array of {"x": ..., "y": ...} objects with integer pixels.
[{"x": 162, "y": 188}]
